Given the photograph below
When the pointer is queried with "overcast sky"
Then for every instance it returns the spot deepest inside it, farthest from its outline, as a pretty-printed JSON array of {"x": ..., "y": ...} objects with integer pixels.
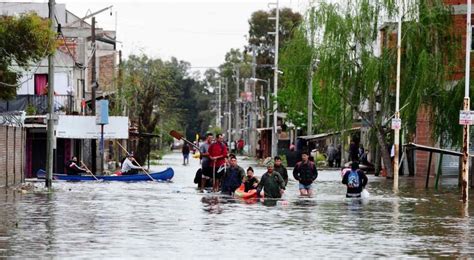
[{"x": 198, "y": 31}]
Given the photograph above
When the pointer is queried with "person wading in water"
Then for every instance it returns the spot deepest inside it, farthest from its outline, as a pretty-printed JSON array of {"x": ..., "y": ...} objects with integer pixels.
[
  {"x": 306, "y": 173},
  {"x": 272, "y": 183},
  {"x": 218, "y": 155},
  {"x": 206, "y": 162}
]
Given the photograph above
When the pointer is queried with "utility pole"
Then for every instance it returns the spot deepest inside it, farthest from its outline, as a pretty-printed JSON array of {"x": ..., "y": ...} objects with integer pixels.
[
  {"x": 268, "y": 103},
  {"x": 310, "y": 99},
  {"x": 310, "y": 86},
  {"x": 466, "y": 106},
  {"x": 229, "y": 113},
  {"x": 253, "y": 114},
  {"x": 50, "y": 128},
  {"x": 396, "y": 122},
  {"x": 261, "y": 105},
  {"x": 218, "y": 117},
  {"x": 237, "y": 98},
  {"x": 226, "y": 108},
  {"x": 275, "y": 90},
  {"x": 94, "y": 88}
]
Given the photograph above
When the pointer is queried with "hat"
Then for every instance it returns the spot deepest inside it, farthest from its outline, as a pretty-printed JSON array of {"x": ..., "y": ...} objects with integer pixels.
[
  {"x": 130, "y": 154},
  {"x": 268, "y": 162}
]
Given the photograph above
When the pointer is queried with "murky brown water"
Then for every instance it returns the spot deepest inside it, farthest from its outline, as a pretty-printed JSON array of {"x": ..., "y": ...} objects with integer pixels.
[{"x": 172, "y": 220}]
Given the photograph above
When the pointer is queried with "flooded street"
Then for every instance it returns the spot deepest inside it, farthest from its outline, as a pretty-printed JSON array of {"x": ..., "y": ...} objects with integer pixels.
[{"x": 99, "y": 220}]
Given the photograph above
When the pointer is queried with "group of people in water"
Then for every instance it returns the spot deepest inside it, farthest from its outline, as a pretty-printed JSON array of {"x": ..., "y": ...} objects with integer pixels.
[{"x": 221, "y": 170}]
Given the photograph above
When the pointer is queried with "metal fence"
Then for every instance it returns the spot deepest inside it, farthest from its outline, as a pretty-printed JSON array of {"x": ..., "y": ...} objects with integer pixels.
[{"x": 37, "y": 104}]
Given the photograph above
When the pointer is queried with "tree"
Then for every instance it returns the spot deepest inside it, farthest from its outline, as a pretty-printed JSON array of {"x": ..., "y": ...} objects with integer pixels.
[
  {"x": 351, "y": 73},
  {"x": 24, "y": 39},
  {"x": 235, "y": 60},
  {"x": 259, "y": 26},
  {"x": 161, "y": 96},
  {"x": 148, "y": 91}
]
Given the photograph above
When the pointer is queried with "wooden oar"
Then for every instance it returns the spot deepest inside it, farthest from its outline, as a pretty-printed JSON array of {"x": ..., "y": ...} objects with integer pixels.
[
  {"x": 89, "y": 171},
  {"x": 179, "y": 136},
  {"x": 151, "y": 178}
]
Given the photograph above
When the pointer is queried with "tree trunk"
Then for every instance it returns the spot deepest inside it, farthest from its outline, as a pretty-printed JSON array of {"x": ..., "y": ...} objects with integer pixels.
[
  {"x": 384, "y": 151},
  {"x": 142, "y": 150}
]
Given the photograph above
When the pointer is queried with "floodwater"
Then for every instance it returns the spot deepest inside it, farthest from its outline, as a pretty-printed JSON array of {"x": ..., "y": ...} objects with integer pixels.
[{"x": 116, "y": 220}]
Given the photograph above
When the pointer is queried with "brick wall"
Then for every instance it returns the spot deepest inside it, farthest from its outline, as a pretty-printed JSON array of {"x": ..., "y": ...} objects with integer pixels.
[
  {"x": 459, "y": 29},
  {"x": 424, "y": 137},
  {"x": 107, "y": 72},
  {"x": 106, "y": 68},
  {"x": 12, "y": 155}
]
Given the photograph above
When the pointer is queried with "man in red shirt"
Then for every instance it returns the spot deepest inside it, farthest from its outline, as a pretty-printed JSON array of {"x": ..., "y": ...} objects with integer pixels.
[{"x": 218, "y": 156}]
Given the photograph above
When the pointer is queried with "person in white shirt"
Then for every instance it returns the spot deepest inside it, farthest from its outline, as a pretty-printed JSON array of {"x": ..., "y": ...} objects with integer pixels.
[{"x": 128, "y": 168}]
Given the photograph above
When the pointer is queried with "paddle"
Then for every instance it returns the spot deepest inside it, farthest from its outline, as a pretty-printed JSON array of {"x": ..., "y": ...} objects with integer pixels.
[
  {"x": 214, "y": 177},
  {"x": 151, "y": 178},
  {"x": 179, "y": 136},
  {"x": 89, "y": 171}
]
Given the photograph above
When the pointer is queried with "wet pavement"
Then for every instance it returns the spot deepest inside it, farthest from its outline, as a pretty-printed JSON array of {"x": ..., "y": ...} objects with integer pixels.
[{"x": 98, "y": 220}]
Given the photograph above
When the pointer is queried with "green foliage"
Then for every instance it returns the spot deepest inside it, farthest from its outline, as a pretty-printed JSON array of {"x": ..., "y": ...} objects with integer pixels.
[
  {"x": 215, "y": 130},
  {"x": 353, "y": 71},
  {"x": 297, "y": 57},
  {"x": 161, "y": 96},
  {"x": 23, "y": 39},
  {"x": 260, "y": 25},
  {"x": 30, "y": 110},
  {"x": 235, "y": 59},
  {"x": 147, "y": 91}
]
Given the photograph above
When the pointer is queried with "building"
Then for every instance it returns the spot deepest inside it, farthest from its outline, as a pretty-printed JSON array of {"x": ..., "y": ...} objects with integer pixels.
[{"x": 73, "y": 83}]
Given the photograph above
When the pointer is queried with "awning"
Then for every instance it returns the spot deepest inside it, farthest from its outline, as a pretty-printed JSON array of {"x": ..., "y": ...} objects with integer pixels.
[
  {"x": 324, "y": 135},
  {"x": 431, "y": 149}
]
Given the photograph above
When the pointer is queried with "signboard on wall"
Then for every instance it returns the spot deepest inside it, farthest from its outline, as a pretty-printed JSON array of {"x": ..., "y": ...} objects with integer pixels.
[{"x": 84, "y": 127}]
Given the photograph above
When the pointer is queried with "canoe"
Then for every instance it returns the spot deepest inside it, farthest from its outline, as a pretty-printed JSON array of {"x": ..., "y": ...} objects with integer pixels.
[
  {"x": 165, "y": 175},
  {"x": 240, "y": 192}
]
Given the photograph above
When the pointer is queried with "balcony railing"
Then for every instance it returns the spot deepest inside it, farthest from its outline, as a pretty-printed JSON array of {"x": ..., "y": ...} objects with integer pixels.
[{"x": 38, "y": 104}]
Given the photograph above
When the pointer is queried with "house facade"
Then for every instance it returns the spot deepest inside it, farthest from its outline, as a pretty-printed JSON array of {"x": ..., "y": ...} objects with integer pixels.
[{"x": 72, "y": 87}]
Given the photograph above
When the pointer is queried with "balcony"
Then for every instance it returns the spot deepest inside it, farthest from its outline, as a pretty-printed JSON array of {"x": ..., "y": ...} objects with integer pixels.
[{"x": 38, "y": 105}]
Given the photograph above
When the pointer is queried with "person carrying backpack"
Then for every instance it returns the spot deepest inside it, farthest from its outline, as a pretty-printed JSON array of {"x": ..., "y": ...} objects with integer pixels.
[
  {"x": 355, "y": 180},
  {"x": 306, "y": 173}
]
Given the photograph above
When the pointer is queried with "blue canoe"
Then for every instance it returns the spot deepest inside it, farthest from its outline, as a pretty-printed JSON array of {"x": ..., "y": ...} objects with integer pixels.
[{"x": 165, "y": 175}]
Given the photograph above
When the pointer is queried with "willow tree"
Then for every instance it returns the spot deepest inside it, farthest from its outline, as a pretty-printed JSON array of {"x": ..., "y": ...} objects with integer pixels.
[{"x": 357, "y": 66}]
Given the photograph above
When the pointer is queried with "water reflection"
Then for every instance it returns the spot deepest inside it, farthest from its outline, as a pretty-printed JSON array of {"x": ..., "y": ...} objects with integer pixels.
[
  {"x": 212, "y": 204},
  {"x": 174, "y": 220}
]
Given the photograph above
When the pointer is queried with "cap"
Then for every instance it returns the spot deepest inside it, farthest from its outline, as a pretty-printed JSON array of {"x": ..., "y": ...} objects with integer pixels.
[{"x": 269, "y": 162}]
